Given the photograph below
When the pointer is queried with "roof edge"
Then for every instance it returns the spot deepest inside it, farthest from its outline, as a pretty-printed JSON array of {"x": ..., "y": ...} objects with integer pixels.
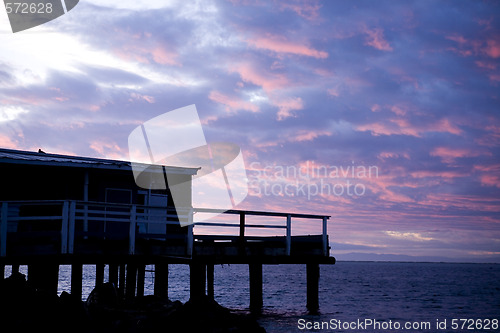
[{"x": 30, "y": 157}]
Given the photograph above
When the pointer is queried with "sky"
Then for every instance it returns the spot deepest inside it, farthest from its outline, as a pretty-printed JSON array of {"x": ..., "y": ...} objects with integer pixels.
[{"x": 382, "y": 114}]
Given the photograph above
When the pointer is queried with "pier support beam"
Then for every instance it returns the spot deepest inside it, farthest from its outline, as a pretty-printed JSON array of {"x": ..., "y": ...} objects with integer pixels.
[
  {"x": 76, "y": 279},
  {"x": 99, "y": 275},
  {"x": 141, "y": 276},
  {"x": 44, "y": 276},
  {"x": 256, "y": 302},
  {"x": 131, "y": 281},
  {"x": 113, "y": 274},
  {"x": 312, "y": 287},
  {"x": 161, "y": 280},
  {"x": 210, "y": 281},
  {"x": 121, "y": 282},
  {"x": 197, "y": 280}
]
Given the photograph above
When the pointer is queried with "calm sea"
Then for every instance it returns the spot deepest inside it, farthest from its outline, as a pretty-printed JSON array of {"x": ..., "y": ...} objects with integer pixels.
[{"x": 354, "y": 296}]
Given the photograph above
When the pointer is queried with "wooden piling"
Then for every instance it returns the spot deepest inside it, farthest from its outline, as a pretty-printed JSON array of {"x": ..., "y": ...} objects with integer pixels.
[
  {"x": 161, "y": 280},
  {"x": 76, "y": 279},
  {"x": 197, "y": 280},
  {"x": 141, "y": 276},
  {"x": 99, "y": 274},
  {"x": 131, "y": 280},
  {"x": 312, "y": 287},
  {"x": 121, "y": 282},
  {"x": 210, "y": 281},
  {"x": 113, "y": 274},
  {"x": 255, "y": 273}
]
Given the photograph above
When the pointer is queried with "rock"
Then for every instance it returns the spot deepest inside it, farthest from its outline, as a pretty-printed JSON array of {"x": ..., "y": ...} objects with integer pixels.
[
  {"x": 25, "y": 309},
  {"x": 103, "y": 295}
]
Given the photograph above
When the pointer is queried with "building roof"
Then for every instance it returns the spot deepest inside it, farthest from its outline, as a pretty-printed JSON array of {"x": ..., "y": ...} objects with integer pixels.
[{"x": 41, "y": 158}]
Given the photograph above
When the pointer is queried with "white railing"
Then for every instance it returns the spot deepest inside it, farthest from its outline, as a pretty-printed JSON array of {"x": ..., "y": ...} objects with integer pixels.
[{"x": 102, "y": 220}]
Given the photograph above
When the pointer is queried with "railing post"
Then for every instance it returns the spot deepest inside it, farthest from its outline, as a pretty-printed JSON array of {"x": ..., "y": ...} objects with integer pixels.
[
  {"x": 64, "y": 228},
  {"x": 190, "y": 235},
  {"x": 288, "y": 234},
  {"x": 131, "y": 237},
  {"x": 190, "y": 240},
  {"x": 242, "y": 226},
  {"x": 242, "y": 234},
  {"x": 71, "y": 227},
  {"x": 325, "y": 236},
  {"x": 3, "y": 229}
]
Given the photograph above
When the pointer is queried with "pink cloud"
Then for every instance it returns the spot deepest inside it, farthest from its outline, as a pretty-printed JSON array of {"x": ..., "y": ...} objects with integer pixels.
[
  {"x": 492, "y": 48},
  {"x": 334, "y": 91},
  {"x": 399, "y": 110},
  {"x": 393, "y": 155},
  {"x": 444, "y": 125},
  {"x": 144, "y": 49},
  {"x": 146, "y": 55},
  {"x": 490, "y": 174},
  {"x": 163, "y": 56},
  {"x": 305, "y": 135},
  {"x": 490, "y": 180},
  {"x": 439, "y": 174},
  {"x": 486, "y": 65},
  {"x": 287, "y": 106},
  {"x": 375, "y": 38},
  {"x": 457, "y": 38},
  {"x": 494, "y": 77},
  {"x": 401, "y": 126},
  {"x": 232, "y": 103},
  {"x": 6, "y": 142},
  {"x": 448, "y": 155},
  {"x": 94, "y": 107},
  {"x": 307, "y": 10},
  {"x": 280, "y": 44},
  {"x": 108, "y": 149},
  {"x": 268, "y": 81},
  {"x": 139, "y": 97}
]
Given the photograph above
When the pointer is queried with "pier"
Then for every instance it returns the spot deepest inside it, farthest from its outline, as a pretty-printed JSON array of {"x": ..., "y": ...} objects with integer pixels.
[
  {"x": 87, "y": 233},
  {"x": 70, "y": 210}
]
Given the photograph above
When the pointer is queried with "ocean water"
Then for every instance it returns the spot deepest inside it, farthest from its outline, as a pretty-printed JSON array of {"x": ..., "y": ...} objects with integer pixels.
[{"x": 354, "y": 296}]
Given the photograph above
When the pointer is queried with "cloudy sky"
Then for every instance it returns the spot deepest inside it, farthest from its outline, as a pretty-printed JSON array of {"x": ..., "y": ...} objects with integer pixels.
[{"x": 382, "y": 114}]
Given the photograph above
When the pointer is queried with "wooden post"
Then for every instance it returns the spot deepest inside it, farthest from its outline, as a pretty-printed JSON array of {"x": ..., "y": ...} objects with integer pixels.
[
  {"x": 190, "y": 240},
  {"x": 242, "y": 234},
  {"x": 131, "y": 280},
  {"x": 210, "y": 281},
  {"x": 121, "y": 282},
  {"x": 141, "y": 276},
  {"x": 99, "y": 274},
  {"x": 76, "y": 279},
  {"x": 131, "y": 239},
  {"x": 312, "y": 287},
  {"x": 325, "y": 236},
  {"x": 288, "y": 234},
  {"x": 161, "y": 280},
  {"x": 3, "y": 229},
  {"x": 71, "y": 227},
  {"x": 256, "y": 302},
  {"x": 197, "y": 281},
  {"x": 113, "y": 274},
  {"x": 64, "y": 228}
]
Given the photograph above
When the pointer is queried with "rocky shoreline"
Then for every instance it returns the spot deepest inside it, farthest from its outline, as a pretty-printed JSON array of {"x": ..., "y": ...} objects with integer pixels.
[{"x": 25, "y": 309}]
